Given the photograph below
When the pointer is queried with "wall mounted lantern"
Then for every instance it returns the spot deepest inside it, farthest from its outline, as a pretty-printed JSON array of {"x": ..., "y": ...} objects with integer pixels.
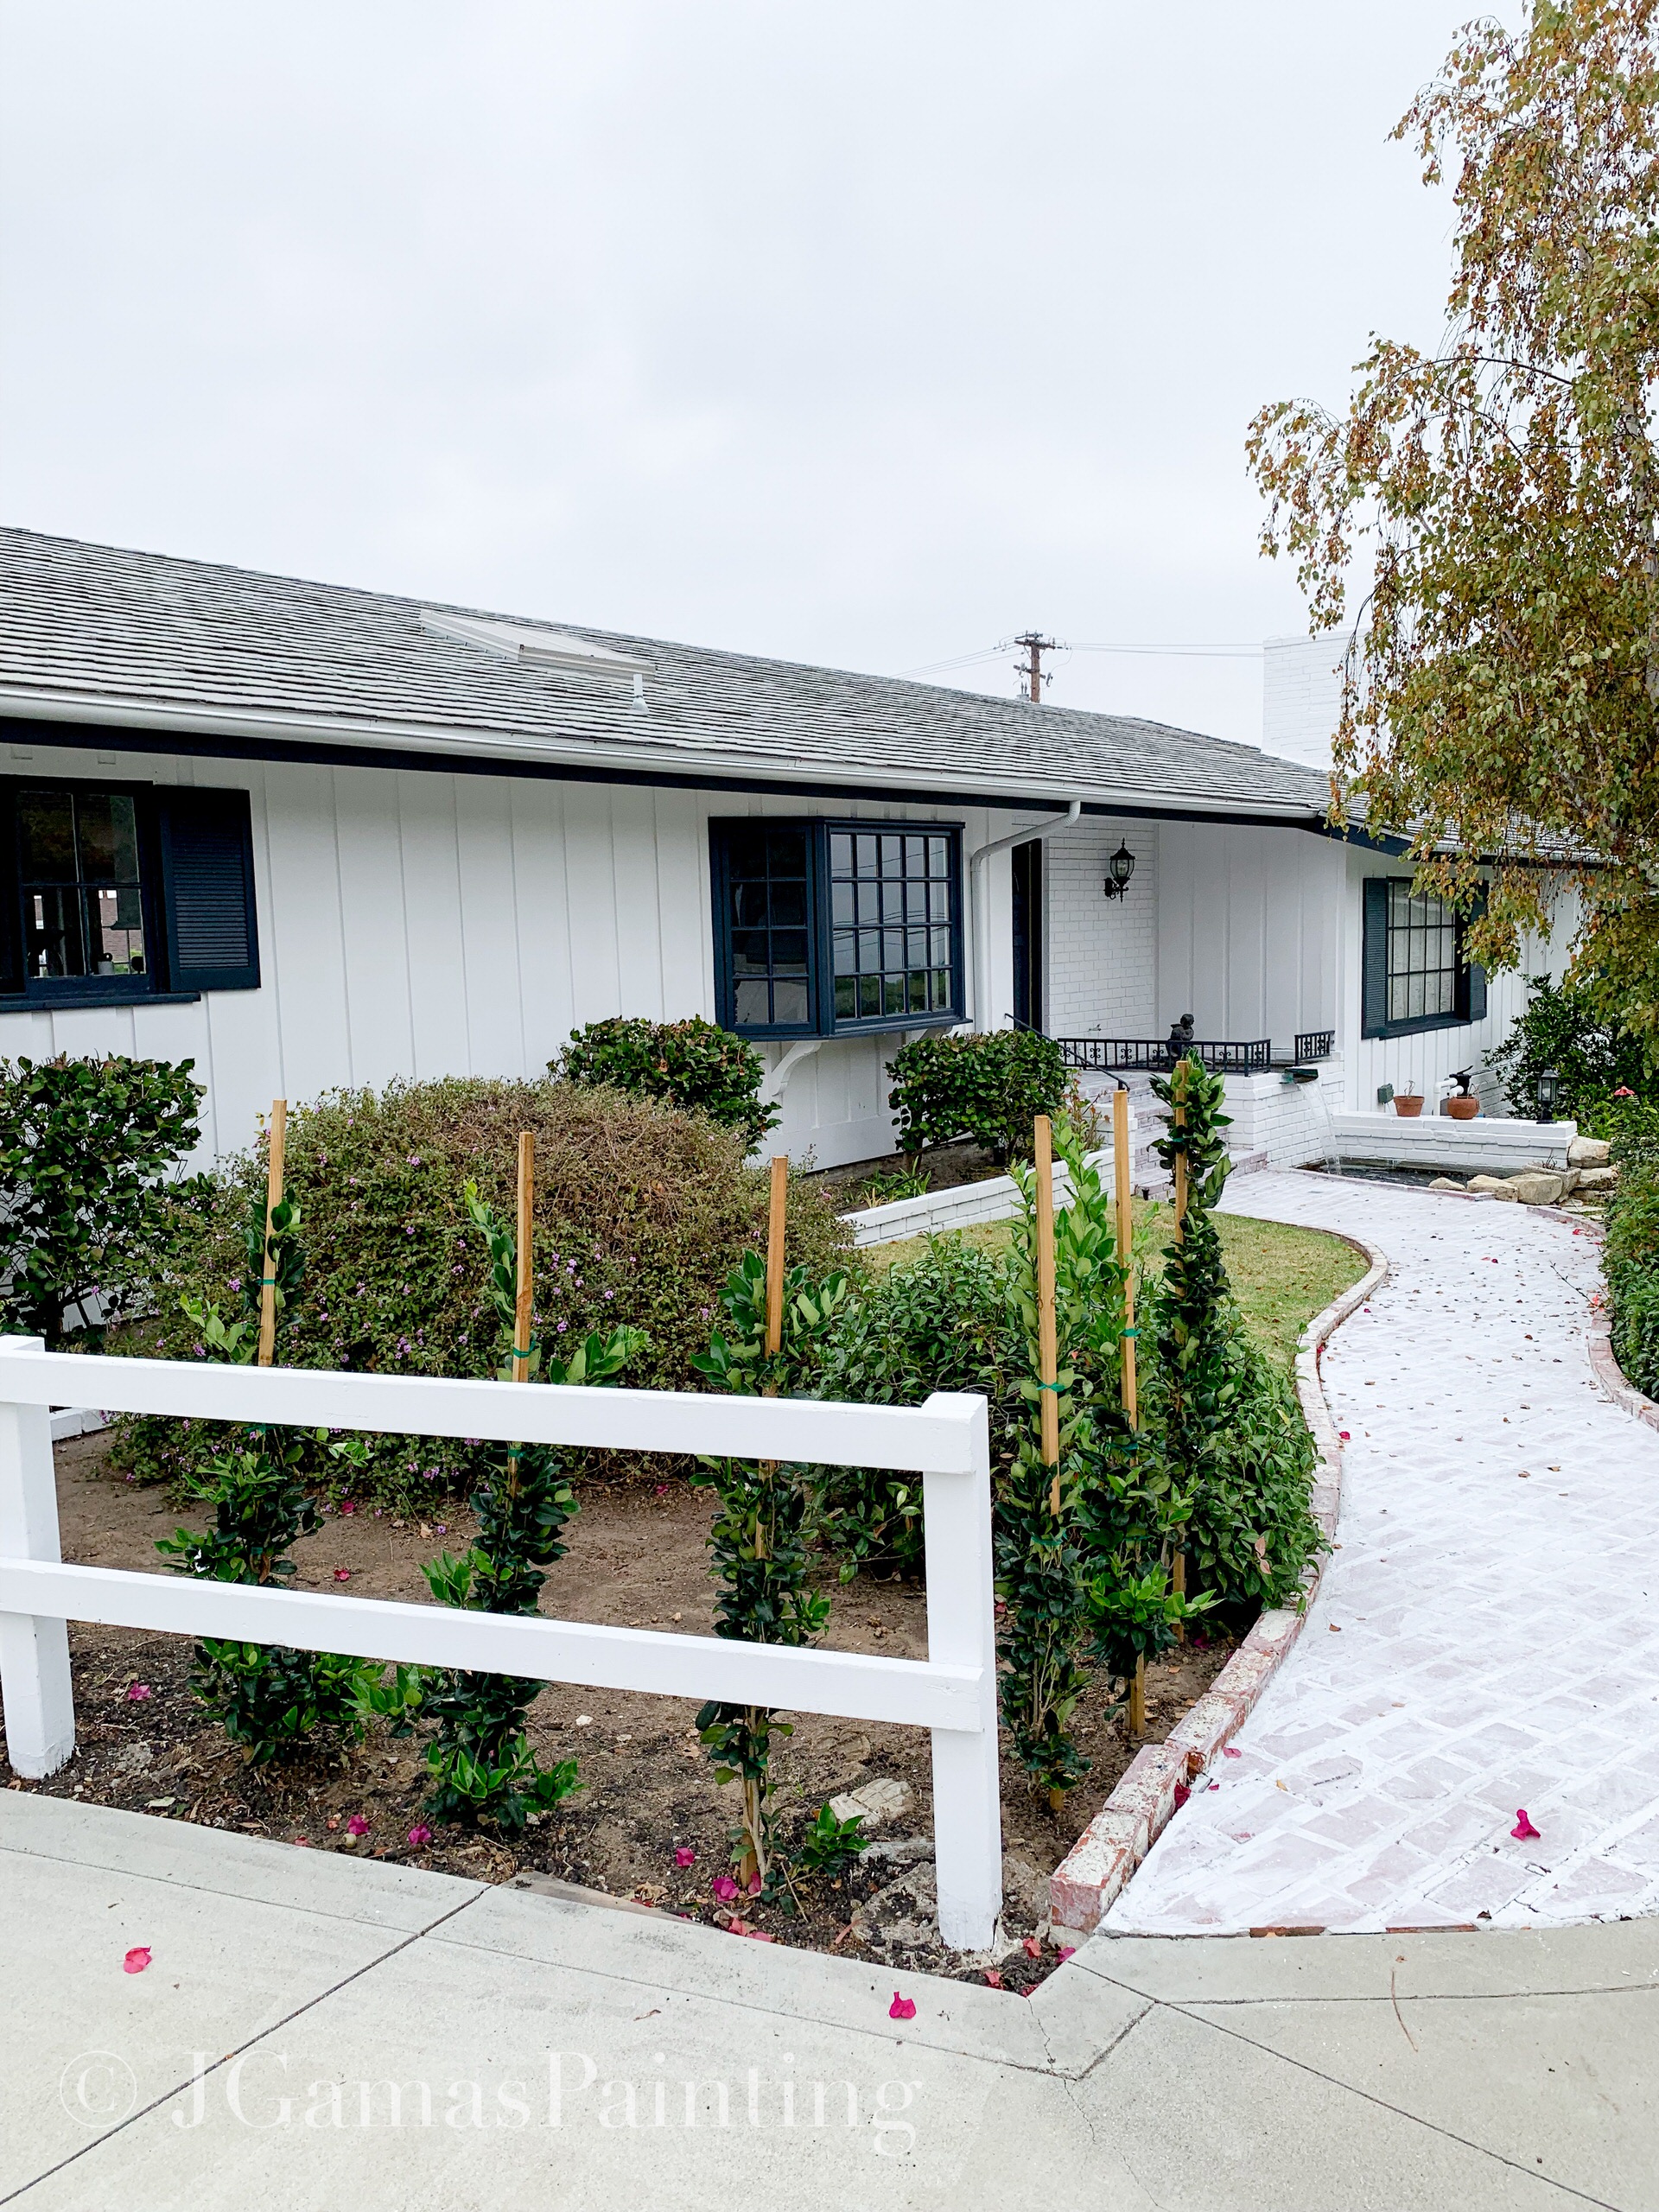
[
  {"x": 1551, "y": 1090},
  {"x": 1122, "y": 865}
]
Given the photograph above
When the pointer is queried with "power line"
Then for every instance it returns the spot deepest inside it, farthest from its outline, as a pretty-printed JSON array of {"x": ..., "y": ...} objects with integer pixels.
[{"x": 1199, "y": 650}]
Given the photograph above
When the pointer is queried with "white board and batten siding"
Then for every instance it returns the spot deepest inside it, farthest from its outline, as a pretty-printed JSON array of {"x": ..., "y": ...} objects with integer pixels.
[{"x": 423, "y": 924}]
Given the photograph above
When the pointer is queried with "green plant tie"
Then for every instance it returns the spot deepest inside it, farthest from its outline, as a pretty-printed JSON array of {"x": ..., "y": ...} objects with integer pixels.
[
  {"x": 1048, "y": 1386},
  {"x": 1129, "y": 1333}
]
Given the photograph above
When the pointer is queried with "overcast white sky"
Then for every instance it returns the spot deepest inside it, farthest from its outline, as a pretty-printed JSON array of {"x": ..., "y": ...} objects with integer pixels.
[{"x": 866, "y": 332}]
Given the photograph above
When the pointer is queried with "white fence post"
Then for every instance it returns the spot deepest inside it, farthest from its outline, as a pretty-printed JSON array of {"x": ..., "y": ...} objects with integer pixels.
[
  {"x": 33, "y": 1649},
  {"x": 961, "y": 1631}
]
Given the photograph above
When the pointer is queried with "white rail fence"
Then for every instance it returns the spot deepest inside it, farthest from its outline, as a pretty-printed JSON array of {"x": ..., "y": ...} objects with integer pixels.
[{"x": 952, "y": 1692}]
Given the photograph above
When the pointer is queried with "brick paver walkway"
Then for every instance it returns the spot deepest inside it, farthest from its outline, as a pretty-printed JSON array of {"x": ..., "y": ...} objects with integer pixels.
[{"x": 1487, "y": 1635}]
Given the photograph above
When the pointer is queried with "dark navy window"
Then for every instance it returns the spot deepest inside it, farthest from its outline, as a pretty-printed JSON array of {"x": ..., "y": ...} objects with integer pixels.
[{"x": 822, "y": 927}]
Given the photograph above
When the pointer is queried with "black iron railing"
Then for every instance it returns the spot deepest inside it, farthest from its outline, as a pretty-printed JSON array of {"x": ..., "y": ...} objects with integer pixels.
[
  {"x": 1114, "y": 1055},
  {"x": 1315, "y": 1044}
]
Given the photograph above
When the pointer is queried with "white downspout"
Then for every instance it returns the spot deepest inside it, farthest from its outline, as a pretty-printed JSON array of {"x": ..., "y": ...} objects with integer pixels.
[{"x": 977, "y": 904}]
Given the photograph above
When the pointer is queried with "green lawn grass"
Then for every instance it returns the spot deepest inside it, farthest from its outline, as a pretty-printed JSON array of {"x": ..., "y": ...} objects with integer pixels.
[{"x": 1281, "y": 1277}]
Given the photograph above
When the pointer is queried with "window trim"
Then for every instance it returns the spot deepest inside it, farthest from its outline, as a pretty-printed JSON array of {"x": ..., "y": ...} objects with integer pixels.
[
  {"x": 1470, "y": 1007},
  {"x": 821, "y": 1020},
  {"x": 45, "y": 993},
  {"x": 166, "y": 981}
]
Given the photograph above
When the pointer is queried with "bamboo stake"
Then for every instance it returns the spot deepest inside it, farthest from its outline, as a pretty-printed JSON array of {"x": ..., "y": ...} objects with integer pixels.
[
  {"x": 1047, "y": 1332},
  {"x": 777, "y": 1216},
  {"x": 1138, "y": 1696},
  {"x": 525, "y": 1301},
  {"x": 1125, "y": 1209},
  {"x": 273, "y": 1200}
]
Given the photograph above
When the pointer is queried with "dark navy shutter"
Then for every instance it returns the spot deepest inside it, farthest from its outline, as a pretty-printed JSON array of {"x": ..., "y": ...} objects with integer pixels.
[
  {"x": 11, "y": 956},
  {"x": 213, "y": 942},
  {"x": 1474, "y": 975},
  {"x": 1374, "y": 957}
]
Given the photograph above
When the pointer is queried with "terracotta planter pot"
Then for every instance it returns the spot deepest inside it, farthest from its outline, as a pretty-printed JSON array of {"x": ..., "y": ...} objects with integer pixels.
[
  {"x": 1463, "y": 1109},
  {"x": 1407, "y": 1109}
]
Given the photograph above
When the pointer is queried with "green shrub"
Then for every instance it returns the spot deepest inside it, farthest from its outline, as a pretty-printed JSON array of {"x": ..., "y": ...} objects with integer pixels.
[
  {"x": 82, "y": 1146},
  {"x": 1631, "y": 1258},
  {"x": 1561, "y": 1029},
  {"x": 690, "y": 1064},
  {"x": 641, "y": 1212},
  {"x": 989, "y": 1087},
  {"x": 939, "y": 1323}
]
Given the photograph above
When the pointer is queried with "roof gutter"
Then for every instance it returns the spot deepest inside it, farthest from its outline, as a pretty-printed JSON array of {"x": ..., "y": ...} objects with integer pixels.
[{"x": 504, "y": 754}]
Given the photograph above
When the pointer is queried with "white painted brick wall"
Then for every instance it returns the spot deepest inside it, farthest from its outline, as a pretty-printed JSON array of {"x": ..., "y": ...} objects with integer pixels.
[{"x": 1102, "y": 953}]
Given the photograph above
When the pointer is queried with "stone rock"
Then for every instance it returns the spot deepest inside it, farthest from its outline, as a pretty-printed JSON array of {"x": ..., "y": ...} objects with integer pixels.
[
  {"x": 1536, "y": 1186},
  {"x": 1598, "y": 1178},
  {"x": 1587, "y": 1152},
  {"x": 1569, "y": 1180},
  {"x": 1445, "y": 1183},
  {"x": 880, "y": 1800},
  {"x": 1494, "y": 1186}
]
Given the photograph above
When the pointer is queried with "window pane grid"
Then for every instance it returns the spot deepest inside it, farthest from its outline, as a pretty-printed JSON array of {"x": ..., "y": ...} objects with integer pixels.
[
  {"x": 1422, "y": 956},
  {"x": 83, "y": 910},
  {"x": 892, "y": 907}
]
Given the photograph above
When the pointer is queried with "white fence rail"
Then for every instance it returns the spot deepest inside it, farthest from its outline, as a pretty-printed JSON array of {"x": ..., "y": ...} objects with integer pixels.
[{"x": 952, "y": 1692}]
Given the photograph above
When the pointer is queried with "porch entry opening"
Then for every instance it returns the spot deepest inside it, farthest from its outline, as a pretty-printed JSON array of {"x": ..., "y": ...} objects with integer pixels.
[{"x": 1028, "y": 861}]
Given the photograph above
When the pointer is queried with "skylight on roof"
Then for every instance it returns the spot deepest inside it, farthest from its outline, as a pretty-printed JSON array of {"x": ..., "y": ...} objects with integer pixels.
[{"x": 548, "y": 648}]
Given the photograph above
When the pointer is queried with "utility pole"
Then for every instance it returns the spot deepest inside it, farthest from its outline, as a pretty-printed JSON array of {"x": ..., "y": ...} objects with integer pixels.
[{"x": 1032, "y": 667}]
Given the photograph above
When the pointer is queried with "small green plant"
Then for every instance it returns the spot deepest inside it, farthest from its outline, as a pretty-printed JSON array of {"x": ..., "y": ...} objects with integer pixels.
[
  {"x": 760, "y": 1541},
  {"x": 480, "y": 1762},
  {"x": 84, "y": 1145},
  {"x": 1136, "y": 1614},
  {"x": 989, "y": 1087},
  {"x": 268, "y": 1698},
  {"x": 690, "y": 1064},
  {"x": 889, "y": 1184},
  {"x": 828, "y": 1846}
]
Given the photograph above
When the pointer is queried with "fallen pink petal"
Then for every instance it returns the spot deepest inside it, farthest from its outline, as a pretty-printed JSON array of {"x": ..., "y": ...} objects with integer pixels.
[
  {"x": 420, "y": 1834},
  {"x": 1229, "y": 1754},
  {"x": 357, "y": 1825},
  {"x": 724, "y": 1888},
  {"x": 1182, "y": 1793},
  {"x": 137, "y": 1959},
  {"x": 902, "y": 2008},
  {"x": 1067, "y": 1950},
  {"x": 993, "y": 1979},
  {"x": 137, "y": 1690},
  {"x": 1523, "y": 1831},
  {"x": 342, "y": 1574},
  {"x": 1032, "y": 1947},
  {"x": 685, "y": 1856}
]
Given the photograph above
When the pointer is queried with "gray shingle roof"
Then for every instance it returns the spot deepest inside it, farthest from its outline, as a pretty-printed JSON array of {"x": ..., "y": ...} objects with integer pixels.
[{"x": 95, "y": 633}]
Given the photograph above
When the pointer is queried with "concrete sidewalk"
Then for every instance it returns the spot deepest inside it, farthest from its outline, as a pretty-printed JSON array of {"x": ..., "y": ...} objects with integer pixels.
[{"x": 541, "y": 2053}]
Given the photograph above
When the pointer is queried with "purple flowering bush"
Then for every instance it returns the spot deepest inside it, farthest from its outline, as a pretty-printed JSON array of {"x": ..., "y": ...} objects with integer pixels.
[{"x": 641, "y": 1213}]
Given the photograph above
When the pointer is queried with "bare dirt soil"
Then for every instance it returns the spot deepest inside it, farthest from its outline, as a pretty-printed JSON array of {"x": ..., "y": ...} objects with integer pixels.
[{"x": 636, "y": 1560}]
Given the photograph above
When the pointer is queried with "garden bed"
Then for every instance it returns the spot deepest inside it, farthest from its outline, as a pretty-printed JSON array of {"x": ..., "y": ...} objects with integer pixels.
[
  {"x": 875, "y": 1182},
  {"x": 636, "y": 1559}
]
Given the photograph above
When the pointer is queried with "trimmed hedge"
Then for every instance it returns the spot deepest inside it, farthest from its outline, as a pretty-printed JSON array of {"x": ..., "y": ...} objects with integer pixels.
[
  {"x": 689, "y": 1063},
  {"x": 1630, "y": 1260},
  {"x": 641, "y": 1213},
  {"x": 990, "y": 1088}
]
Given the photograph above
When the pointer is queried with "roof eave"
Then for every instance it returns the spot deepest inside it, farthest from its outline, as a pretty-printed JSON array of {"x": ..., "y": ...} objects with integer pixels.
[{"x": 638, "y": 760}]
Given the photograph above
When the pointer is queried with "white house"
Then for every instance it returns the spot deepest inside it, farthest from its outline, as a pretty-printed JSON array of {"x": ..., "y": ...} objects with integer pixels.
[{"x": 315, "y": 837}]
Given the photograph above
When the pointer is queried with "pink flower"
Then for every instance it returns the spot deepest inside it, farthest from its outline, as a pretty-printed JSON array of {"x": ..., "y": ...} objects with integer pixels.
[
  {"x": 1345, "y": 1435},
  {"x": 137, "y": 1692},
  {"x": 1523, "y": 1831},
  {"x": 1623, "y": 1091},
  {"x": 346, "y": 1506},
  {"x": 724, "y": 1888},
  {"x": 902, "y": 2008},
  {"x": 357, "y": 1825},
  {"x": 342, "y": 1574},
  {"x": 684, "y": 1856},
  {"x": 137, "y": 1959},
  {"x": 420, "y": 1835},
  {"x": 662, "y": 1489}
]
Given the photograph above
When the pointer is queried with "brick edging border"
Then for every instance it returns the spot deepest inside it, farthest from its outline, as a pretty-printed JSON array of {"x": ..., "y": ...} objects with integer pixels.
[{"x": 1100, "y": 1863}]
